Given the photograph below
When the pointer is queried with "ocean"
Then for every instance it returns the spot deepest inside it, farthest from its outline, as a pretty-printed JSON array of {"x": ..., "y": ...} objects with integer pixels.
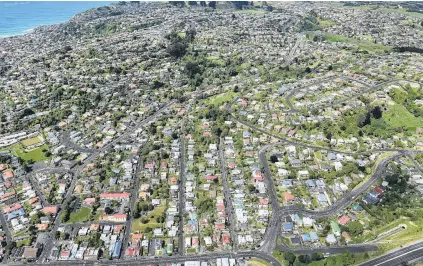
[{"x": 16, "y": 18}]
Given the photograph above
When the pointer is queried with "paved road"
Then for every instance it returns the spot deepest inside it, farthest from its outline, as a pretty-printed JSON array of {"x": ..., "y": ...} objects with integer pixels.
[
  {"x": 268, "y": 179},
  {"x": 228, "y": 201},
  {"x": 395, "y": 258},
  {"x": 34, "y": 184},
  {"x": 273, "y": 229},
  {"x": 69, "y": 143},
  {"x": 290, "y": 56},
  {"x": 79, "y": 170},
  {"x": 338, "y": 102},
  {"x": 132, "y": 202},
  {"x": 292, "y": 92},
  {"x": 291, "y": 141},
  {"x": 170, "y": 259},
  {"x": 181, "y": 203},
  {"x": 331, "y": 250},
  {"x": 418, "y": 166},
  {"x": 6, "y": 232}
]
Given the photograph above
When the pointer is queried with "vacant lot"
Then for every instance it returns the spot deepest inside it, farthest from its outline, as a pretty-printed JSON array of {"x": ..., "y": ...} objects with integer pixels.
[
  {"x": 221, "y": 98},
  {"x": 398, "y": 116},
  {"x": 82, "y": 215},
  {"x": 137, "y": 225}
]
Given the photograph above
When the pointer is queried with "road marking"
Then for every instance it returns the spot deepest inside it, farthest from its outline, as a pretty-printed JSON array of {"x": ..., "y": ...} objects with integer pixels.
[{"x": 399, "y": 256}]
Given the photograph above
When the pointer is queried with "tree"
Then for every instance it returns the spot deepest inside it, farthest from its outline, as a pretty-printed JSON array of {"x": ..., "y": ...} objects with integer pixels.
[
  {"x": 304, "y": 259},
  {"x": 27, "y": 112},
  {"x": 274, "y": 159},
  {"x": 212, "y": 4},
  {"x": 178, "y": 47},
  {"x": 239, "y": 4},
  {"x": 190, "y": 34},
  {"x": 192, "y": 68},
  {"x": 363, "y": 119},
  {"x": 177, "y": 3},
  {"x": 66, "y": 214},
  {"x": 108, "y": 210},
  {"x": 289, "y": 257},
  {"x": 355, "y": 228},
  {"x": 203, "y": 3},
  {"x": 160, "y": 219},
  {"x": 317, "y": 256},
  {"x": 377, "y": 112}
]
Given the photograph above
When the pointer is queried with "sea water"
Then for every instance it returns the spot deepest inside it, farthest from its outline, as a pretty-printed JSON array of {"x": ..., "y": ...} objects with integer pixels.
[{"x": 17, "y": 18}]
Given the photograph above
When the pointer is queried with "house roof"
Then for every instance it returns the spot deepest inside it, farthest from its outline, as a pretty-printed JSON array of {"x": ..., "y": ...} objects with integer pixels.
[
  {"x": 117, "y": 195},
  {"x": 8, "y": 174},
  {"x": 288, "y": 196},
  {"x": 344, "y": 220},
  {"x": 50, "y": 209}
]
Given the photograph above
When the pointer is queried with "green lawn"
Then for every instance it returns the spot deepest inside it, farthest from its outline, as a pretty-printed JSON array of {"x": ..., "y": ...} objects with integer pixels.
[
  {"x": 25, "y": 242},
  {"x": 216, "y": 60},
  {"x": 398, "y": 116},
  {"x": 35, "y": 154},
  {"x": 221, "y": 98},
  {"x": 318, "y": 155},
  {"x": 82, "y": 216},
  {"x": 365, "y": 45},
  {"x": 138, "y": 226},
  {"x": 325, "y": 23},
  {"x": 258, "y": 262},
  {"x": 413, "y": 232},
  {"x": 279, "y": 256},
  {"x": 393, "y": 10}
]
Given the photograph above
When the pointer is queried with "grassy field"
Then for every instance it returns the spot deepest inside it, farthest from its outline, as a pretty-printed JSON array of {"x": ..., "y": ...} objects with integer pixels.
[
  {"x": 31, "y": 141},
  {"x": 258, "y": 262},
  {"x": 82, "y": 216},
  {"x": 365, "y": 45},
  {"x": 216, "y": 60},
  {"x": 414, "y": 232},
  {"x": 221, "y": 98},
  {"x": 279, "y": 256},
  {"x": 391, "y": 10},
  {"x": 25, "y": 242},
  {"x": 325, "y": 23},
  {"x": 138, "y": 226},
  {"x": 398, "y": 116},
  {"x": 35, "y": 154}
]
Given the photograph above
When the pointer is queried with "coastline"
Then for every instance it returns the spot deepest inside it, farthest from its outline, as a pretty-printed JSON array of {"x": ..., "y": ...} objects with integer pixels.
[
  {"x": 32, "y": 15},
  {"x": 20, "y": 33}
]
